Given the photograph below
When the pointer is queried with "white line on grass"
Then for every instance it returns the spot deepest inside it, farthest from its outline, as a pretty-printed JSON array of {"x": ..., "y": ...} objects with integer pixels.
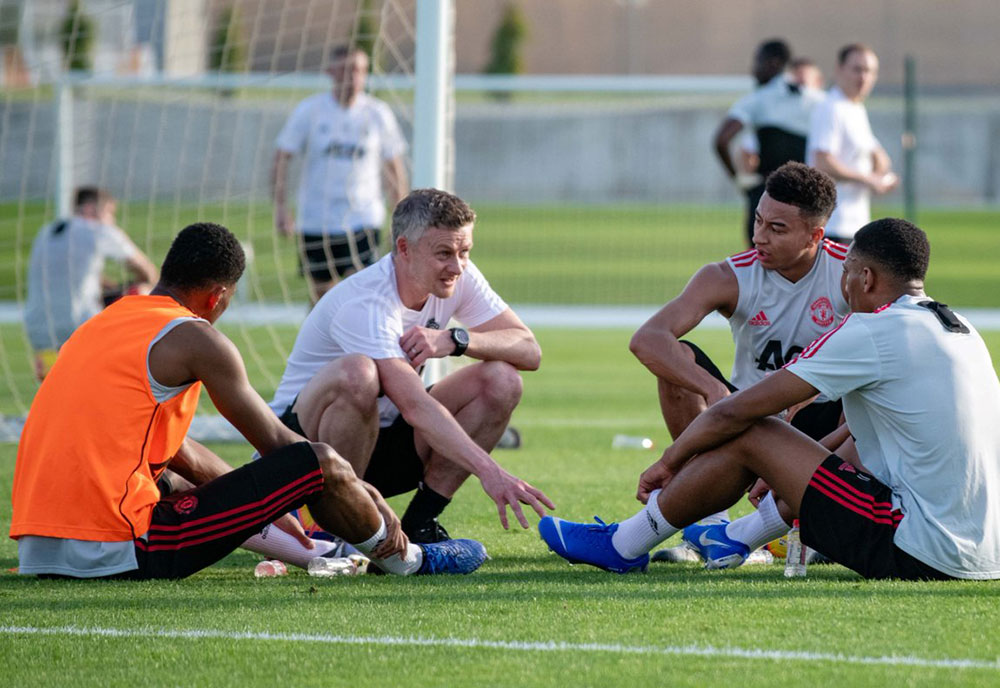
[{"x": 517, "y": 646}]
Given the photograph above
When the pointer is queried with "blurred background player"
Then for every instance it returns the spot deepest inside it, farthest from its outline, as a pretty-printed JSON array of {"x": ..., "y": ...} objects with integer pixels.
[
  {"x": 802, "y": 71},
  {"x": 66, "y": 283},
  {"x": 352, "y": 149},
  {"x": 778, "y": 297},
  {"x": 778, "y": 113},
  {"x": 841, "y": 143}
]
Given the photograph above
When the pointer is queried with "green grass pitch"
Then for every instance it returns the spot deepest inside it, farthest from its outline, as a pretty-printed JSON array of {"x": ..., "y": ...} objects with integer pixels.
[{"x": 526, "y": 618}]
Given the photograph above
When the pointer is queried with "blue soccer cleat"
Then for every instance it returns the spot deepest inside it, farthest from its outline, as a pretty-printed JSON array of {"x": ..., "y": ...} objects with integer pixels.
[
  {"x": 452, "y": 556},
  {"x": 713, "y": 545},
  {"x": 587, "y": 543}
]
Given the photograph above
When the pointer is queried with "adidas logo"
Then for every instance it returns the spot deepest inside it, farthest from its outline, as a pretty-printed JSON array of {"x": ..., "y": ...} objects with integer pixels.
[{"x": 760, "y": 320}]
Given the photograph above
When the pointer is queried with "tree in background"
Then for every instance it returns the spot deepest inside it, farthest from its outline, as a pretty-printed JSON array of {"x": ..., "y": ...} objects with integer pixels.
[
  {"x": 228, "y": 49},
  {"x": 508, "y": 42},
  {"x": 507, "y": 46},
  {"x": 367, "y": 30},
  {"x": 77, "y": 33}
]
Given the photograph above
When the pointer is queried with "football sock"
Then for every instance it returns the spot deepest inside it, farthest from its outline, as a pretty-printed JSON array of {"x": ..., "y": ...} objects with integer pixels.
[
  {"x": 275, "y": 543},
  {"x": 644, "y": 531},
  {"x": 758, "y": 528},
  {"x": 400, "y": 565},
  {"x": 425, "y": 505},
  {"x": 717, "y": 517}
]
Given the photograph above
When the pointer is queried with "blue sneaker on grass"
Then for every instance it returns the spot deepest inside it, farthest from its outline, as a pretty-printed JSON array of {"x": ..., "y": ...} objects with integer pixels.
[
  {"x": 715, "y": 547},
  {"x": 587, "y": 543},
  {"x": 452, "y": 556}
]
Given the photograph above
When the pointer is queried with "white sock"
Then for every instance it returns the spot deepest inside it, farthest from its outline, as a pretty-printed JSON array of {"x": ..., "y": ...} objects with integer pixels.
[
  {"x": 644, "y": 531},
  {"x": 717, "y": 517},
  {"x": 399, "y": 565},
  {"x": 760, "y": 527},
  {"x": 275, "y": 543}
]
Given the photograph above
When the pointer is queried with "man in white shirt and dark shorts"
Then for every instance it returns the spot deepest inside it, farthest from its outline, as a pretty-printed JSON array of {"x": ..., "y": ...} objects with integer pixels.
[
  {"x": 351, "y": 145},
  {"x": 354, "y": 373},
  {"x": 921, "y": 396},
  {"x": 841, "y": 143}
]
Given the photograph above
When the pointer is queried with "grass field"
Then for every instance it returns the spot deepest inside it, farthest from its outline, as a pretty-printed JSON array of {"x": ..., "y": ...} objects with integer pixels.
[
  {"x": 526, "y": 618},
  {"x": 606, "y": 254}
]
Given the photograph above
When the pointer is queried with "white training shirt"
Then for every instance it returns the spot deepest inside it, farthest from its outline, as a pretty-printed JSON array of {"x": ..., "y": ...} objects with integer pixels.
[
  {"x": 344, "y": 150},
  {"x": 841, "y": 128},
  {"x": 923, "y": 405},
  {"x": 363, "y": 314},
  {"x": 776, "y": 319},
  {"x": 777, "y": 104},
  {"x": 64, "y": 277}
]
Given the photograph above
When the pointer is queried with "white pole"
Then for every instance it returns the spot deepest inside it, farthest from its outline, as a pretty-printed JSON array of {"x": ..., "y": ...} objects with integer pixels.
[
  {"x": 64, "y": 147},
  {"x": 435, "y": 28}
]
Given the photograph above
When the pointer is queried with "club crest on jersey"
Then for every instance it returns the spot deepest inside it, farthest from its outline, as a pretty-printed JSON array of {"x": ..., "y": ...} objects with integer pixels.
[
  {"x": 822, "y": 312},
  {"x": 186, "y": 504}
]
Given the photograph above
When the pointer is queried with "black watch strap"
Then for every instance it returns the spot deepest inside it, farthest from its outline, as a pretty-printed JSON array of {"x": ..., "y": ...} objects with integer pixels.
[{"x": 460, "y": 337}]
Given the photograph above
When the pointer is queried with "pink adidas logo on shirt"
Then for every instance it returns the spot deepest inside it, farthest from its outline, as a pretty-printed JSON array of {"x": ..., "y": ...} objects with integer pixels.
[{"x": 759, "y": 320}]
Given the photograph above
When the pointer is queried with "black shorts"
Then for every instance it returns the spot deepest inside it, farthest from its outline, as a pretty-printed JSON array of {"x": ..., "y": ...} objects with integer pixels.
[
  {"x": 394, "y": 467},
  {"x": 847, "y": 515},
  {"x": 324, "y": 254},
  {"x": 195, "y": 528},
  {"x": 816, "y": 420}
]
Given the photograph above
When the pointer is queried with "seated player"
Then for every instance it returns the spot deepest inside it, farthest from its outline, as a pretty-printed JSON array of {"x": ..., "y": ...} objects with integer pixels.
[
  {"x": 922, "y": 400},
  {"x": 778, "y": 297},
  {"x": 353, "y": 379},
  {"x": 114, "y": 412},
  {"x": 65, "y": 274}
]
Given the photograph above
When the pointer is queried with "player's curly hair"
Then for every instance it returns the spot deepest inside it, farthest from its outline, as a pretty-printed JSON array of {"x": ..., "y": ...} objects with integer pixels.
[
  {"x": 897, "y": 245},
  {"x": 203, "y": 254},
  {"x": 424, "y": 208},
  {"x": 811, "y": 191}
]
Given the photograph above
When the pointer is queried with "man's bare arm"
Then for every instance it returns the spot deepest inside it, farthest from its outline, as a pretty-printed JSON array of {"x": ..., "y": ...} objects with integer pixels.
[
  {"x": 827, "y": 162},
  {"x": 656, "y": 344},
  {"x": 729, "y": 128},
  {"x": 396, "y": 183},
  {"x": 404, "y": 387},
  {"x": 503, "y": 338}
]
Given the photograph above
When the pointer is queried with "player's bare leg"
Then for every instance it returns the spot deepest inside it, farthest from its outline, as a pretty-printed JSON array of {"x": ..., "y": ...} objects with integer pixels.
[{"x": 339, "y": 406}]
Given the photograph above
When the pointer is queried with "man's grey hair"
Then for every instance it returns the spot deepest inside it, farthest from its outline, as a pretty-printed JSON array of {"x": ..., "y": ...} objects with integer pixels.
[{"x": 424, "y": 208}]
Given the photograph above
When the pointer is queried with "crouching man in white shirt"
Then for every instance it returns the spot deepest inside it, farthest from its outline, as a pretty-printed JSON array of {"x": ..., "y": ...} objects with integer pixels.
[{"x": 354, "y": 373}]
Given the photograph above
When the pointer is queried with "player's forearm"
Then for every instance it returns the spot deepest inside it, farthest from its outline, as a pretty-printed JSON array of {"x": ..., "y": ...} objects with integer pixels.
[
  {"x": 715, "y": 426},
  {"x": 881, "y": 163},
  {"x": 666, "y": 358},
  {"x": 396, "y": 181},
  {"x": 826, "y": 162},
  {"x": 197, "y": 463},
  {"x": 515, "y": 346},
  {"x": 279, "y": 179},
  {"x": 446, "y": 437}
]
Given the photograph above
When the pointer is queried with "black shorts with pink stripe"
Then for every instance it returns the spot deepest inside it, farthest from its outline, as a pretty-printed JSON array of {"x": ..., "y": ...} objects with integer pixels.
[
  {"x": 195, "y": 528},
  {"x": 847, "y": 515}
]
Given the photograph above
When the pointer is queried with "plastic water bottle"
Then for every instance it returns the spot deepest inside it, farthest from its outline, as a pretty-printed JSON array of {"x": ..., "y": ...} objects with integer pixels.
[
  {"x": 631, "y": 442},
  {"x": 328, "y": 567},
  {"x": 270, "y": 569},
  {"x": 795, "y": 557}
]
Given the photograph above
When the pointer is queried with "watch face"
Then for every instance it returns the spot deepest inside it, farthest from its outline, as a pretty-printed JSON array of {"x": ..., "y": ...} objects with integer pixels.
[{"x": 461, "y": 337}]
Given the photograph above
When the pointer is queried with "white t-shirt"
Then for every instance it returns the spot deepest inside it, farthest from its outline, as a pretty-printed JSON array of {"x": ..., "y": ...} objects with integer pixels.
[
  {"x": 776, "y": 319},
  {"x": 344, "y": 150},
  {"x": 364, "y": 315},
  {"x": 777, "y": 104},
  {"x": 841, "y": 128},
  {"x": 64, "y": 277},
  {"x": 923, "y": 404}
]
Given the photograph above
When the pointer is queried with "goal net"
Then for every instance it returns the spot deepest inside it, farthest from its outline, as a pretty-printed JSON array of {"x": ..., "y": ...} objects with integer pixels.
[{"x": 595, "y": 193}]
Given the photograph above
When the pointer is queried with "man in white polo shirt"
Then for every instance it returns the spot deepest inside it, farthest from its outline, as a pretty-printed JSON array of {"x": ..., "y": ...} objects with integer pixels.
[
  {"x": 841, "y": 143},
  {"x": 921, "y": 396},
  {"x": 353, "y": 374},
  {"x": 350, "y": 143}
]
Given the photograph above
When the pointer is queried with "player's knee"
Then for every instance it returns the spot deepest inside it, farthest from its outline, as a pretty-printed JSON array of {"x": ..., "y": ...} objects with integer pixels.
[
  {"x": 500, "y": 384},
  {"x": 356, "y": 381},
  {"x": 336, "y": 470}
]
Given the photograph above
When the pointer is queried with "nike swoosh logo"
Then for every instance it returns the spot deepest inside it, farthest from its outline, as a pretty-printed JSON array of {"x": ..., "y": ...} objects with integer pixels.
[
  {"x": 706, "y": 541},
  {"x": 557, "y": 522}
]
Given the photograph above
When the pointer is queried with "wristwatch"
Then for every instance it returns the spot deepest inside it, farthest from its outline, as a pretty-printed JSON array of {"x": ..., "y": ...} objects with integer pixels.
[{"x": 461, "y": 338}]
